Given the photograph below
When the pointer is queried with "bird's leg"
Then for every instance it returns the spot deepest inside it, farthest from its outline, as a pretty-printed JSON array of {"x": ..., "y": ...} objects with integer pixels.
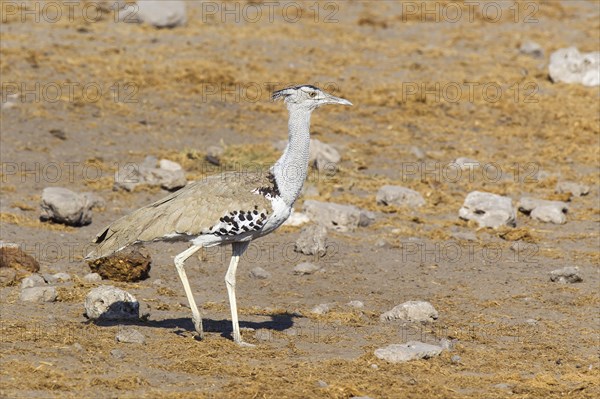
[
  {"x": 179, "y": 260},
  {"x": 238, "y": 249}
]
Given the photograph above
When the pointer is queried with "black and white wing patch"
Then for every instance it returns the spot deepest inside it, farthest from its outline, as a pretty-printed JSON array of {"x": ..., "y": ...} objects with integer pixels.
[{"x": 239, "y": 222}]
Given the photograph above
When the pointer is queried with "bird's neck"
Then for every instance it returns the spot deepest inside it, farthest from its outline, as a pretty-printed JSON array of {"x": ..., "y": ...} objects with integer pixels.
[{"x": 291, "y": 169}]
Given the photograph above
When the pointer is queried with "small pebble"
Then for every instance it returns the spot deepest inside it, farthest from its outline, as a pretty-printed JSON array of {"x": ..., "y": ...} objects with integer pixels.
[
  {"x": 566, "y": 275},
  {"x": 306, "y": 268},
  {"x": 35, "y": 280},
  {"x": 322, "y": 384},
  {"x": 259, "y": 273},
  {"x": 117, "y": 353},
  {"x": 39, "y": 294},
  {"x": 356, "y": 304},
  {"x": 374, "y": 366},
  {"x": 455, "y": 359},
  {"x": 321, "y": 308},
  {"x": 157, "y": 283},
  {"x": 130, "y": 336},
  {"x": 92, "y": 278}
]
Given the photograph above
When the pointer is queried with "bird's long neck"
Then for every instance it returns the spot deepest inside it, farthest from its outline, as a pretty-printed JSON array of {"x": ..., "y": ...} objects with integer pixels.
[{"x": 291, "y": 169}]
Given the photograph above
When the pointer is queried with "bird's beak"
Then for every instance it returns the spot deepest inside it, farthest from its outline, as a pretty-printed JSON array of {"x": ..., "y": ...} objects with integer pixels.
[{"x": 329, "y": 99}]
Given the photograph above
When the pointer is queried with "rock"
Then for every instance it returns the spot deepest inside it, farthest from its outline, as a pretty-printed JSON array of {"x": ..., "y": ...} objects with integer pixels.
[
  {"x": 532, "y": 49},
  {"x": 543, "y": 210},
  {"x": 57, "y": 278},
  {"x": 417, "y": 311},
  {"x": 306, "y": 268},
  {"x": 399, "y": 196},
  {"x": 312, "y": 241},
  {"x": 356, "y": 304},
  {"x": 94, "y": 200},
  {"x": 455, "y": 359},
  {"x": 321, "y": 308},
  {"x": 323, "y": 156},
  {"x": 130, "y": 176},
  {"x": 568, "y": 65},
  {"x": 109, "y": 5},
  {"x": 465, "y": 163},
  {"x": 502, "y": 385},
  {"x": 111, "y": 303},
  {"x": 566, "y": 275},
  {"x": 92, "y": 278},
  {"x": 215, "y": 151},
  {"x": 263, "y": 335},
  {"x": 409, "y": 351},
  {"x": 447, "y": 344},
  {"x": 159, "y": 13},
  {"x": 117, "y": 353},
  {"x": 13, "y": 257},
  {"x": 165, "y": 164},
  {"x": 310, "y": 190},
  {"x": 65, "y": 206},
  {"x": 464, "y": 236},
  {"x": 576, "y": 189},
  {"x": 418, "y": 152},
  {"x": 259, "y": 273},
  {"x": 158, "y": 282},
  {"x": 130, "y": 336},
  {"x": 488, "y": 210},
  {"x": 130, "y": 264},
  {"x": 322, "y": 384},
  {"x": 35, "y": 280},
  {"x": 296, "y": 219},
  {"x": 337, "y": 217},
  {"x": 38, "y": 294}
]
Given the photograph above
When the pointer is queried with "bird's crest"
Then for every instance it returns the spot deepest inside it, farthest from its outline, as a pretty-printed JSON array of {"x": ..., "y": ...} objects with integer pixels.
[{"x": 283, "y": 93}]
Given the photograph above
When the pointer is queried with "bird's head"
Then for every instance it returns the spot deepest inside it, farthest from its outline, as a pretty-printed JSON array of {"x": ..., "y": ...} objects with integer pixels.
[{"x": 306, "y": 97}]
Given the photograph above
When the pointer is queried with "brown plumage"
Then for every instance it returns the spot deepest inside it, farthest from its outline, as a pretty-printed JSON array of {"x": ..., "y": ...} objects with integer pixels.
[{"x": 190, "y": 212}]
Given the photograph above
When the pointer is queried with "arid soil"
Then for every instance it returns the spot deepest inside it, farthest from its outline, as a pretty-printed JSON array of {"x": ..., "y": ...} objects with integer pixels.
[{"x": 453, "y": 85}]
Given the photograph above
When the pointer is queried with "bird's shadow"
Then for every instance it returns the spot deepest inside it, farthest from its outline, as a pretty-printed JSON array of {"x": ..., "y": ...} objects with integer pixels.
[{"x": 181, "y": 325}]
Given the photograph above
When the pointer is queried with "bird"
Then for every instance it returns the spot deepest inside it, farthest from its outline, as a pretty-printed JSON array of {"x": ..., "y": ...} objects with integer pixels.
[{"x": 228, "y": 208}]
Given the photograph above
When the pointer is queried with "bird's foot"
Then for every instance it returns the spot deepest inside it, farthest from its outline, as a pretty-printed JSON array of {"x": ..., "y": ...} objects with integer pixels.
[
  {"x": 244, "y": 344},
  {"x": 198, "y": 327}
]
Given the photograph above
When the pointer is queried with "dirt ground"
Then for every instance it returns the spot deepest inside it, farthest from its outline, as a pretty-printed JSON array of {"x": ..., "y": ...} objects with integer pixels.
[{"x": 446, "y": 77}]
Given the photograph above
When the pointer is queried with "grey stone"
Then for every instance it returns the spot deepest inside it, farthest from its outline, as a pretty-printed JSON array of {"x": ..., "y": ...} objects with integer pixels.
[
  {"x": 117, "y": 353},
  {"x": 38, "y": 294},
  {"x": 412, "y": 350},
  {"x": 356, "y": 304},
  {"x": 259, "y": 273},
  {"x": 215, "y": 151},
  {"x": 130, "y": 176},
  {"x": 92, "y": 278},
  {"x": 263, "y": 335},
  {"x": 455, "y": 359},
  {"x": 337, "y": 217},
  {"x": 111, "y": 303},
  {"x": 165, "y": 164},
  {"x": 568, "y": 65},
  {"x": 447, "y": 344},
  {"x": 322, "y": 384},
  {"x": 321, "y": 308},
  {"x": 57, "y": 277},
  {"x": 306, "y": 268},
  {"x": 543, "y": 210},
  {"x": 158, "y": 282},
  {"x": 65, "y": 206},
  {"x": 94, "y": 200},
  {"x": 35, "y": 280},
  {"x": 464, "y": 163},
  {"x": 488, "y": 210},
  {"x": 569, "y": 274},
  {"x": 532, "y": 49},
  {"x": 159, "y": 13},
  {"x": 417, "y": 311},
  {"x": 576, "y": 189},
  {"x": 418, "y": 152},
  {"x": 399, "y": 196},
  {"x": 312, "y": 241},
  {"x": 130, "y": 336},
  {"x": 503, "y": 385},
  {"x": 297, "y": 219},
  {"x": 464, "y": 236},
  {"x": 323, "y": 156}
]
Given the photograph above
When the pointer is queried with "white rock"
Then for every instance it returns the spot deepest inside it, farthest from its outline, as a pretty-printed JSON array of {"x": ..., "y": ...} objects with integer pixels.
[
  {"x": 409, "y": 351},
  {"x": 465, "y": 163},
  {"x": 111, "y": 303},
  {"x": 38, "y": 294},
  {"x": 321, "y": 308},
  {"x": 35, "y": 280},
  {"x": 532, "y": 49},
  {"x": 399, "y": 196},
  {"x": 543, "y": 210},
  {"x": 259, "y": 273},
  {"x": 337, "y": 217},
  {"x": 306, "y": 268},
  {"x": 159, "y": 13},
  {"x": 58, "y": 277},
  {"x": 576, "y": 189},
  {"x": 65, "y": 206},
  {"x": 566, "y": 275},
  {"x": 130, "y": 336},
  {"x": 488, "y": 210},
  {"x": 568, "y": 65},
  {"x": 417, "y": 311},
  {"x": 130, "y": 176},
  {"x": 297, "y": 219},
  {"x": 169, "y": 165},
  {"x": 323, "y": 156},
  {"x": 92, "y": 278},
  {"x": 94, "y": 200},
  {"x": 356, "y": 304},
  {"x": 418, "y": 152},
  {"x": 312, "y": 241}
]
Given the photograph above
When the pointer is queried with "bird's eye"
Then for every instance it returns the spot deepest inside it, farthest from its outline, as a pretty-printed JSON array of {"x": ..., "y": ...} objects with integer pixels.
[{"x": 312, "y": 94}]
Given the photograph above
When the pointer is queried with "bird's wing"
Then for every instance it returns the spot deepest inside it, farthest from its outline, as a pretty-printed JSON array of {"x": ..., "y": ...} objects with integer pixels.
[{"x": 193, "y": 210}]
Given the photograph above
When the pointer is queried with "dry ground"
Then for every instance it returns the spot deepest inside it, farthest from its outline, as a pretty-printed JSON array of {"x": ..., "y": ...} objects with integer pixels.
[{"x": 172, "y": 93}]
